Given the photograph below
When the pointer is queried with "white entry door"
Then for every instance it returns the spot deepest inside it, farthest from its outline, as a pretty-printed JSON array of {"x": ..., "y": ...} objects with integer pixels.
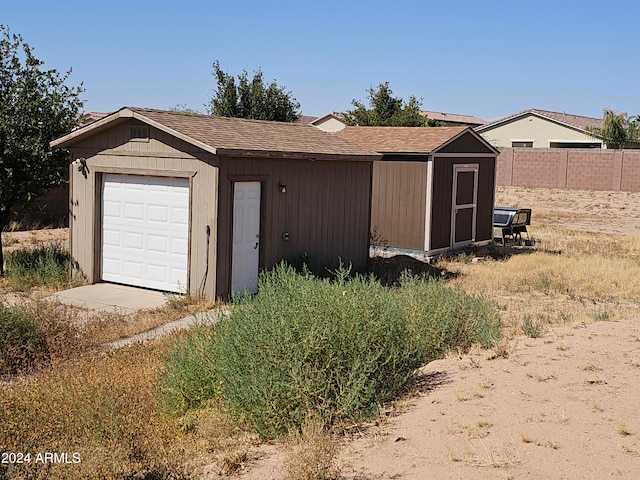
[
  {"x": 464, "y": 205},
  {"x": 145, "y": 231},
  {"x": 246, "y": 237}
]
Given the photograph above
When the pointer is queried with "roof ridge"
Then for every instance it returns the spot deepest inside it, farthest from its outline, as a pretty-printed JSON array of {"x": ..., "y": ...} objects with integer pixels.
[
  {"x": 564, "y": 113},
  {"x": 208, "y": 115}
]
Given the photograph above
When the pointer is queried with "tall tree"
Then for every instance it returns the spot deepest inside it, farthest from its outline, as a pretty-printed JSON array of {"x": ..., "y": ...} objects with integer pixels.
[
  {"x": 251, "y": 98},
  {"x": 36, "y": 106},
  {"x": 386, "y": 110},
  {"x": 618, "y": 130}
]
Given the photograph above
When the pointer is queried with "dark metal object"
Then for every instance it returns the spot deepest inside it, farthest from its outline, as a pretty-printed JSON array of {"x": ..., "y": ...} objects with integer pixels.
[{"x": 512, "y": 223}]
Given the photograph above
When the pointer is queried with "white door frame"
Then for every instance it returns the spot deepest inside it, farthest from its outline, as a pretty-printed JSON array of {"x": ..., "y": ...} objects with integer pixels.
[
  {"x": 245, "y": 239},
  {"x": 460, "y": 168}
]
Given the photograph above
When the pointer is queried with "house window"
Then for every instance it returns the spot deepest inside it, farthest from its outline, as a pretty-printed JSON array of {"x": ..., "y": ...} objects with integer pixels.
[
  {"x": 553, "y": 144},
  {"x": 522, "y": 144},
  {"x": 140, "y": 132}
]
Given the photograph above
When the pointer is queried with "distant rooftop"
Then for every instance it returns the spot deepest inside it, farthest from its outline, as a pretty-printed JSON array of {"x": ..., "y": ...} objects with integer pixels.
[
  {"x": 453, "y": 118},
  {"x": 575, "y": 121}
]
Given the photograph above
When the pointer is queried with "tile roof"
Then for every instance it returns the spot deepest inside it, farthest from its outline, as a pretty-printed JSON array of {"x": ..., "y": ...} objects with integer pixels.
[
  {"x": 235, "y": 136},
  {"x": 453, "y": 117},
  {"x": 574, "y": 121},
  {"x": 306, "y": 119},
  {"x": 400, "y": 139}
]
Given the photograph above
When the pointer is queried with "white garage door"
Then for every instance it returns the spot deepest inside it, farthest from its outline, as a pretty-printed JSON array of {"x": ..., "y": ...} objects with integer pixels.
[{"x": 145, "y": 231}]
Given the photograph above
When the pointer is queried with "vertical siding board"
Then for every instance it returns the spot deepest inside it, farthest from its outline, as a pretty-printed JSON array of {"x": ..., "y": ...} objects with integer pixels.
[{"x": 398, "y": 208}]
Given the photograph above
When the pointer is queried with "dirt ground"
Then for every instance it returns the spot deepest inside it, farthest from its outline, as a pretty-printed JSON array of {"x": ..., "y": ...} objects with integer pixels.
[
  {"x": 12, "y": 241},
  {"x": 563, "y": 406}
]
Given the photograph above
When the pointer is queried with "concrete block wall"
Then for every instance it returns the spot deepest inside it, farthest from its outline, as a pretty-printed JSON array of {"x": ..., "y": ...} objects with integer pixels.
[{"x": 570, "y": 168}]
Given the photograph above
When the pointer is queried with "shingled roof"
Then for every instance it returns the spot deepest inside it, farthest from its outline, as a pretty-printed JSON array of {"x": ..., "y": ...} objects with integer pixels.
[
  {"x": 233, "y": 136},
  {"x": 572, "y": 121},
  {"x": 422, "y": 140}
]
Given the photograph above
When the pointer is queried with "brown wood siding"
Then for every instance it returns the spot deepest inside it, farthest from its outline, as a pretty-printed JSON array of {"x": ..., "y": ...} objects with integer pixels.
[
  {"x": 325, "y": 210},
  {"x": 110, "y": 151},
  {"x": 466, "y": 143},
  {"x": 398, "y": 204},
  {"x": 117, "y": 140},
  {"x": 442, "y": 199}
]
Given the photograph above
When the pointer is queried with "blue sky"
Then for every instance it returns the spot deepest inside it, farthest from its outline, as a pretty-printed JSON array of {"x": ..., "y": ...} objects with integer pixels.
[{"x": 488, "y": 59}]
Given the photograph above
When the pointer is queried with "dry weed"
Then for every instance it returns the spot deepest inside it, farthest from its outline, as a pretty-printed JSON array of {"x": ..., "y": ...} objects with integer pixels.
[{"x": 312, "y": 454}]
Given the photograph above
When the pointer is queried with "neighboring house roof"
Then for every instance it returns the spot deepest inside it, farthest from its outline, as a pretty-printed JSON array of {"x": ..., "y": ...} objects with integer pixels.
[
  {"x": 91, "y": 117},
  {"x": 575, "y": 122},
  {"x": 420, "y": 140},
  {"x": 306, "y": 119},
  {"x": 327, "y": 116},
  {"x": 453, "y": 118},
  {"x": 232, "y": 136}
]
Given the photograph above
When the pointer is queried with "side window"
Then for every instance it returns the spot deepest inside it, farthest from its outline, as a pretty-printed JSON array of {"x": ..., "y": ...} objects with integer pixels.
[{"x": 522, "y": 144}]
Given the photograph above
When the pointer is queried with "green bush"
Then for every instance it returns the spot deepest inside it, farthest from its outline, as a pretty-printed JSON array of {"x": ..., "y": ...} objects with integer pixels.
[
  {"x": 22, "y": 341},
  {"x": 189, "y": 378},
  {"x": 442, "y": 318},
  {"x": 46, "y": 265},
  {"x": 36, "y": 333},
  {"x": 337, "y": 349},
  {"x": 532, "y": 328}
]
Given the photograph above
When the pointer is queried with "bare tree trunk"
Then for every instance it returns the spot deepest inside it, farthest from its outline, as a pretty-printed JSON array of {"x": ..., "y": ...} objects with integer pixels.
[{"x": 4, "y": 219}]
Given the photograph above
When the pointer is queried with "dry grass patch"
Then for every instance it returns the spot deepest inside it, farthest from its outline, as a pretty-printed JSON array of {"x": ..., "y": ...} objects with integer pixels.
[
  {"x": 107, "y": 327},
  {"x": 312, "y": 454},
  {"x": 101, "y": 406}
]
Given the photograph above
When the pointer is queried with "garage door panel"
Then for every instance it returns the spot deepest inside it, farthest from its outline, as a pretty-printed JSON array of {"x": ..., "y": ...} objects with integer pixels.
[
  {"x": 145, "y": 231},
  {"x": 134, "y": 211}
]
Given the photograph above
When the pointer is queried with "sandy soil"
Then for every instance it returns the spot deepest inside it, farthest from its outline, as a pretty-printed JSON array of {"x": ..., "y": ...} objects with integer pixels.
[
  {"x": 564, "y": 406},
  {"x": 31, "y": 238},
  {"x": 593, "y": 211}
]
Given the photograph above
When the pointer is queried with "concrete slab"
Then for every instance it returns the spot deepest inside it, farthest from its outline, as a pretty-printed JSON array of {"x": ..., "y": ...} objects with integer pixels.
[{"x": 109, "y": 297}]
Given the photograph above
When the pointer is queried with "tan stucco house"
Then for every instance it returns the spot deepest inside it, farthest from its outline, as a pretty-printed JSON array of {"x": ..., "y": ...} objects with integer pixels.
[{"x": 535, "y": 128}]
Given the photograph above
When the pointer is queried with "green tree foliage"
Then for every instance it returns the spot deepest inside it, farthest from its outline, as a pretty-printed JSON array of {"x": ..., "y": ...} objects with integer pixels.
[
  {"x": 36, "y": 106},
  {"x": 619, "y": 130},
  {"x": 251, "y": 98},
  {"x": 386, "y": 110}
]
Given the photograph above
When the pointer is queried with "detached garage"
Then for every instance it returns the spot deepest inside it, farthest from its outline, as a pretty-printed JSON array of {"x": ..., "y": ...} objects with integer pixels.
[
  {"x": 432, "y": 192},
  {"x": 184, "y": 202}
]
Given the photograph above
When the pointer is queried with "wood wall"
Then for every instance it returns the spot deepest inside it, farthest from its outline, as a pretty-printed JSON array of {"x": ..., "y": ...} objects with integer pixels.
[
  {"x": 442, "y": 199},
  {"x": 325, "y": 210},
  {"x": 398, "y": 204},
  {"x": 162, "y": 155}
]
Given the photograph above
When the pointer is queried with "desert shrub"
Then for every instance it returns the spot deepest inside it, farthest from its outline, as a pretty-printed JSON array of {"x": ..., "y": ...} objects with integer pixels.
[
  {"x": 442, "y": 317},
  {"x": 532, "y": 328},
  {"x": 22, "y": 341},
  {"x": 336, "y": 349},
  {"x": 46, "y": 265},
  {"x": 189, "y": 378},
  {"x": 36, "y": 333}
]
